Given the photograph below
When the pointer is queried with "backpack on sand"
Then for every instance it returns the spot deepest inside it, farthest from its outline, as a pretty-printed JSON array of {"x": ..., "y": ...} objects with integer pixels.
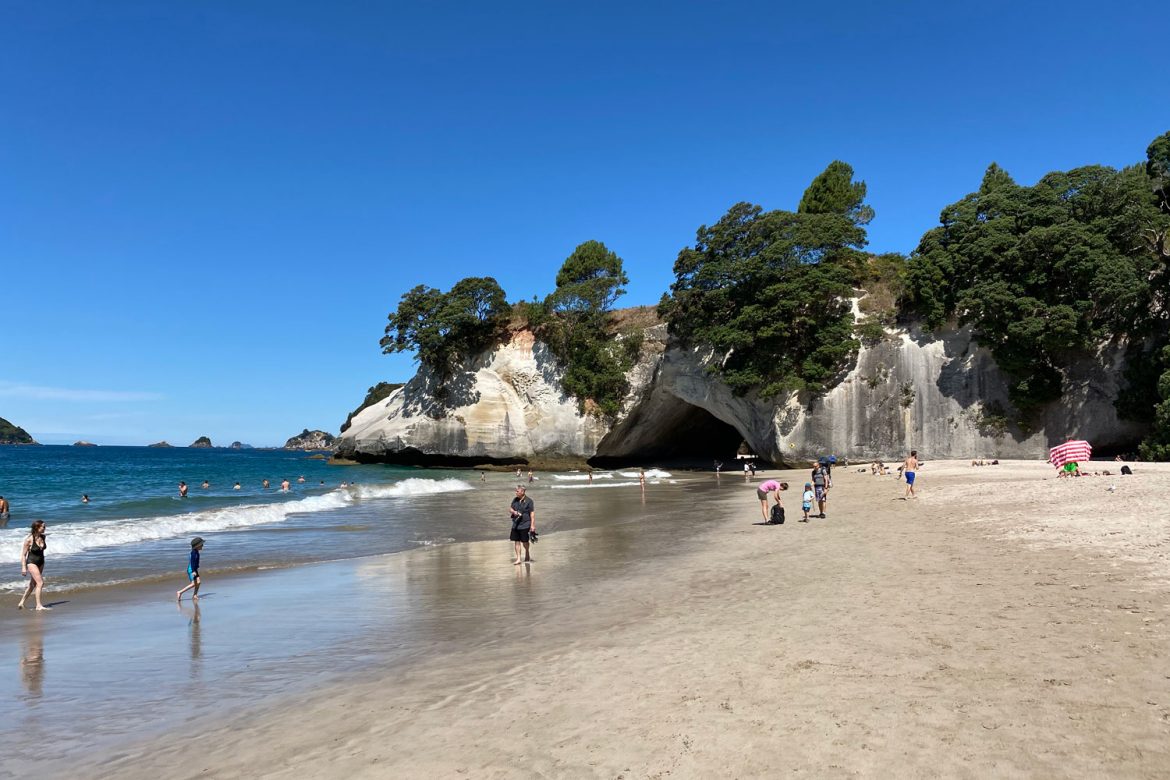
[{"x": 777, "y": 515}]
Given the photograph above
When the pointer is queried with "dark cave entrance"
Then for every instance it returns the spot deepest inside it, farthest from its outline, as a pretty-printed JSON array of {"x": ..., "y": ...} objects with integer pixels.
[{"x": 684, "y": 436}]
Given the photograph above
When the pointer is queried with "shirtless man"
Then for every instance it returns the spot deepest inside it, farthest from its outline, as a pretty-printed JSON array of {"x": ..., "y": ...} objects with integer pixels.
[
  {"x": 909, "y": 468},
  {"x": 182, "y": 489},
  {"x": 284, "y": 486},
  {"x": 3, "y": 512}
]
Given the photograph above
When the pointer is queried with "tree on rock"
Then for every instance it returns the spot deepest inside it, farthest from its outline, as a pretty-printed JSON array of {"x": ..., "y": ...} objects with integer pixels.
[
  {"x": 769, "y": 290},
  {"x": 444, "y": 328}
]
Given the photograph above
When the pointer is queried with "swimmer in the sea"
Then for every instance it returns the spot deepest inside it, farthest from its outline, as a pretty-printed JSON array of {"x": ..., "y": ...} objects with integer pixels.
[
  {"x": 284, "y": 486},
  {"x": 237, "y": 486}
]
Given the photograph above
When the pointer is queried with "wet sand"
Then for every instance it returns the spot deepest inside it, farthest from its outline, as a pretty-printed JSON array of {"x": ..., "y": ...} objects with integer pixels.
[{"x": 1003, "y": 624}]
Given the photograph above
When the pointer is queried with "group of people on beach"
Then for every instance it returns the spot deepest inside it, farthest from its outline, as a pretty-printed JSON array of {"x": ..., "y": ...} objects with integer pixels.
[{"x": 816, "y": 490}]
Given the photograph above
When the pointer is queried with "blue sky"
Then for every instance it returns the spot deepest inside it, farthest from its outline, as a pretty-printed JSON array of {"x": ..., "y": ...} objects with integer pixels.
[{"x": 208, "y": 209}]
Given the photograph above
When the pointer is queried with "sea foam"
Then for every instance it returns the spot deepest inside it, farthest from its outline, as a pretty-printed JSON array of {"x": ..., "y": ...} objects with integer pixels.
[{"x": 74, "y": 538}]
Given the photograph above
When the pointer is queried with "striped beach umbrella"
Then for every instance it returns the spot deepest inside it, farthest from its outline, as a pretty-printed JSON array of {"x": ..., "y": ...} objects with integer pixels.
[{"x": 1070, "y": 452}]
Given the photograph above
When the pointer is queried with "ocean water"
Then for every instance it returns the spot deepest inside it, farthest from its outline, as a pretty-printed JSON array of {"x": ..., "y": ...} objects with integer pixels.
[{"x": 136, "y": 528}]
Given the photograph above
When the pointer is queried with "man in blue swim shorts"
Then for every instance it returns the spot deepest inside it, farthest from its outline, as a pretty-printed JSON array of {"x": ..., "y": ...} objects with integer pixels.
[{"x": 909, "y": 468}]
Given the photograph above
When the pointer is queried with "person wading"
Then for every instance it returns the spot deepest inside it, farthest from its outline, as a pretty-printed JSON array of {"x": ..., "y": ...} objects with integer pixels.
[{"x": 523, "y": 525}]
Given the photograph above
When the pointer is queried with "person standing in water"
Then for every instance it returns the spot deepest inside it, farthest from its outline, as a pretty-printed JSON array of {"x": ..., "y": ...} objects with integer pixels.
[
  {"x": 32, "y": 564},
  {"x": 523, "y": 513},
  {"x": 264, "y": 484},
  {"x": 909, "y": 469},
  {"x": 85, "y": 498},
  {"x": 284, "y": 486},
  {"x": 182, "y": 489},
  {"x": 3, "y": 512},
  {"x": 193, "y": 570}
]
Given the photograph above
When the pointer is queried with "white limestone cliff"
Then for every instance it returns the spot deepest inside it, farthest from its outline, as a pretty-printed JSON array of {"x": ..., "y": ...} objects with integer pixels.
[{"x": 939, "y": 393}]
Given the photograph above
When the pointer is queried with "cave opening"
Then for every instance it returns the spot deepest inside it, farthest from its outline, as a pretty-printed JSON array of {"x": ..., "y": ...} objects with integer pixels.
[{"x": 685, "y": 436}]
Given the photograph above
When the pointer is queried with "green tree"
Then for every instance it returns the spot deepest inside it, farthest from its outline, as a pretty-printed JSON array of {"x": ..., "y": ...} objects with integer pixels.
[
  {"x": 833, "y": 191},
  {"x": 1044, "y": 273},
  {"x": 590, "y": 280},
  {"x": 444, "y": 328},
  {"x": 769, "y": 291},
  {"x": 574, "y": 325}
]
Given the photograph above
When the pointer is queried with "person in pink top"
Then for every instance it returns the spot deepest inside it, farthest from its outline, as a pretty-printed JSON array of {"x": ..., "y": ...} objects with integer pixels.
[{"x": 770, "y": 486}]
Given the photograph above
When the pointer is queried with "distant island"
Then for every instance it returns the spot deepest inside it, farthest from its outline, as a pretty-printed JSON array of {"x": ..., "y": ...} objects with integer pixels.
[
  {"x": 240, "y": 446},
  {"x": 310, "y": 440},
  {"x": 84, "y": 443},
  {"x": 13, "y": 434},
  {"x": 202, "y": 442},
  {"x": 160, "y": 444}
]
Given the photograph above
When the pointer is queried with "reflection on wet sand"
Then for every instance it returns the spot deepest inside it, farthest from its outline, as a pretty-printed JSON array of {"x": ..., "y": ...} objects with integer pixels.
[
  {"x": 194, "y": 635},
  {"x": 32, "y": 657}
]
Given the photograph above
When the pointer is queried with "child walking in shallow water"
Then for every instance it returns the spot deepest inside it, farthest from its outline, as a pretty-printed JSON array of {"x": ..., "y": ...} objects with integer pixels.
[{"x": 193, "y": 570}]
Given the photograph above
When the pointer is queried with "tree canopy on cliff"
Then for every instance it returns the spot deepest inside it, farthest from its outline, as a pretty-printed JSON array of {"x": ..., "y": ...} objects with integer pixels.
[
  {"x": 1046, "y": 273},
  {"x": 13, "y": 434},
  {"x": 443, "y": 328},
  {"x": 769, "y": 290},
  {"x": 573, "y": 322}
]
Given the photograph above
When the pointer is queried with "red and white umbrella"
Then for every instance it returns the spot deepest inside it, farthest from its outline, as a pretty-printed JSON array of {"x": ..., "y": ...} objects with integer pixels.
[{"x": 1070, "y": 452}]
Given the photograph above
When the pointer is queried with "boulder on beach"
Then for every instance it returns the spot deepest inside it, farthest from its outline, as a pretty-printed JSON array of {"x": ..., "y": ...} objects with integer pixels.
[{"x": 202, "y": 441}]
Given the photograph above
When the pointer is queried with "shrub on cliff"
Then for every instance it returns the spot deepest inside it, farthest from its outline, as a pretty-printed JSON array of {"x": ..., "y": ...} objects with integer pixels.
[
  {"x": 378, "y": 392},
  {"x": 769, "y": 290}
]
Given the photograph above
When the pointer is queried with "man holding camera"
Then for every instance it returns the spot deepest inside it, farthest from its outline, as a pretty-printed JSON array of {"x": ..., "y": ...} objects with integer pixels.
[{"x": 523, "y": 525}]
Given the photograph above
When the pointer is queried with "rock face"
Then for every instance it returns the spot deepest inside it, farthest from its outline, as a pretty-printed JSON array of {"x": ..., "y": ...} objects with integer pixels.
[
  {"x": 310, "y": 440},
  {"x": 507, "y": 406},
  {"x": 84, "y": 443},
  {"x": 160, "y": 444},
  {"x": 202, "y": 441},
  {"x": 13, "y": 434},
  {"x": 240, "y": 446},
  {"x": 939, "y": 393}
]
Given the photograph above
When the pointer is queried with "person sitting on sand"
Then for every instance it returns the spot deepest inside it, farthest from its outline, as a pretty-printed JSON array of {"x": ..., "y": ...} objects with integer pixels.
[{"x": 193, "y": 570}]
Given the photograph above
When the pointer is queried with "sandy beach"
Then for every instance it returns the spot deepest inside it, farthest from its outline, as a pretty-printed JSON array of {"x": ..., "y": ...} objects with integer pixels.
[{"x": 1003, "y": 624}]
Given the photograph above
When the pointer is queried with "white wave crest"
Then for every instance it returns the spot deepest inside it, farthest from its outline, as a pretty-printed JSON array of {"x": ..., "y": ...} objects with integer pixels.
[
  {"x": 583, "y": 477},
  {"x": 409, "y": 487},
  {"x": 650, "y": 474},
  {"x": 587, "y": 487},
  {"x": 74, "y": 538}
]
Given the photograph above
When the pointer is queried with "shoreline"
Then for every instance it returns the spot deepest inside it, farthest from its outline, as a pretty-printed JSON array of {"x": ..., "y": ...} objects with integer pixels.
[{"x": 916, "y": 634}]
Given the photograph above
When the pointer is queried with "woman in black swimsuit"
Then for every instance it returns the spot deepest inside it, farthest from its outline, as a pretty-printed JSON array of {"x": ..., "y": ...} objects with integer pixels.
[{"x": 32, "y": 564}]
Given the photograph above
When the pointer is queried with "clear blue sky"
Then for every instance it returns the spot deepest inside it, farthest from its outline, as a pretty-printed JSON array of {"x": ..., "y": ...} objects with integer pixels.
[{"x": 208, "y": 209}]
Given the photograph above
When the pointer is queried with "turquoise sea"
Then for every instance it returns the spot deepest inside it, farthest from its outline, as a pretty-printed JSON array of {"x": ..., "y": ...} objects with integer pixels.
[{"x": 136, "y": 528}]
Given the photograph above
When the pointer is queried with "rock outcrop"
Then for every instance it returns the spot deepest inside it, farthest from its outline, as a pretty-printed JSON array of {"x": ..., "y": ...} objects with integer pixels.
[
  {"x": 939, "y": 393},
  {"x": 506, "y": 406},
  {"x": 235, "y": 445},
  {"x": 13, "y": 434},
  {"x": 84, "y": 443},
  {"x": 160, "y": 444},
  {"x": 202, "y": 442},
  {"x": 310, "y": 440}
]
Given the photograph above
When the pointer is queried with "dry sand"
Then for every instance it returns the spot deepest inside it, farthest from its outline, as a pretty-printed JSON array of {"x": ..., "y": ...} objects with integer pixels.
[{"x": 1005, "y": 624}]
